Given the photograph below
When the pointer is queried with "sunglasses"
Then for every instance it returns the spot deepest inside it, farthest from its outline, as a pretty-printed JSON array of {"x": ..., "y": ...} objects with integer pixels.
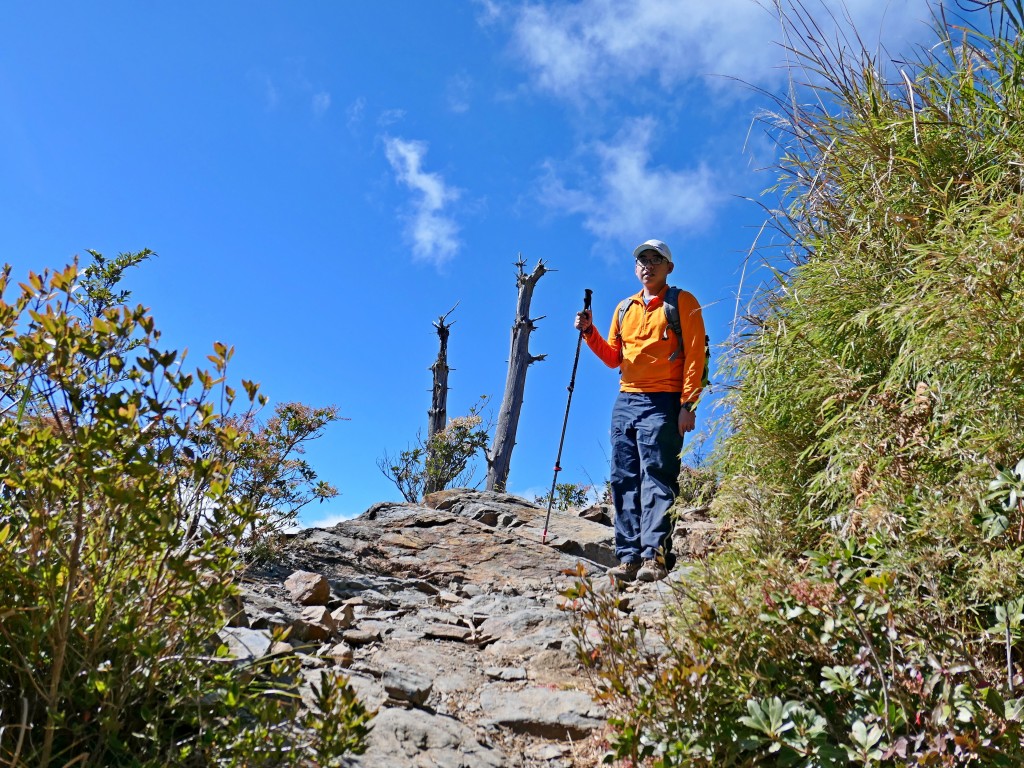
[{"x": 650, "y": 261}]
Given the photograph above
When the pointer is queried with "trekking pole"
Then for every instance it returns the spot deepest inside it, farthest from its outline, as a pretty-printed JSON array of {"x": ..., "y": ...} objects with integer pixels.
[{"x": 565, "y": 421}]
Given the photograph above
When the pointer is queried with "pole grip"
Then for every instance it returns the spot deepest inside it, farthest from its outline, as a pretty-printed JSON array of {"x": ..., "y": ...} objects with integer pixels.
[{"x": 587, "y": 293}]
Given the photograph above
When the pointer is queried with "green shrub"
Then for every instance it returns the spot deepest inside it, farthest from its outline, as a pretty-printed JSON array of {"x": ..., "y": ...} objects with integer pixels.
[
  {"x": 567, "y": 496},
  {"x": 444, "y": 461},
  {"x": 867, "y": 609},
  {"x": 119, "y": 526},
  {"x": 698, "y": 484}
]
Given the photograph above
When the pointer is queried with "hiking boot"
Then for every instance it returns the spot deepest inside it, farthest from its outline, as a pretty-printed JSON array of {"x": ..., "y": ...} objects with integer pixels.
[
  {"x": 624, "y": 571},
  {"x": 651, "y": 570}
]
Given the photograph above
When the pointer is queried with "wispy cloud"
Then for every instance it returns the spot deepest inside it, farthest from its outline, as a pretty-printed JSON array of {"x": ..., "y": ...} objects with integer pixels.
[
  {"x": 326, "y": 520},
  {"x": 271, "y": 95},
  {"x": 431, "y": 231},
  {"x": 630, "y": 197},
  {"x": 390, "y": 116},
  {"x": 287, "y": 88},
  {"x": 321, "y": 102},
  {"x": 584, "y": 48},
  {"x": 457, "y": 91},
  {"x": 488, "y": 11},
  {"x": 354, "y": 113}
]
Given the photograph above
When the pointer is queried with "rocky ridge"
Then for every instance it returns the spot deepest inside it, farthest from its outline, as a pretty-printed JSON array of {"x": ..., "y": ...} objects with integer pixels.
[{"x": 448, "y": 618}]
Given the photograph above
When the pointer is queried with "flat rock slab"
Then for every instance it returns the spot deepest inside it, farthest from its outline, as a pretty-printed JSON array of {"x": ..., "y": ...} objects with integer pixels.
[
  {"x": 454, "y": 551},
  {"x": 566, "y": 531},
  {"x": 418, "y": 739},
  {"x": 447, "y": 632},
  {"x": 246, "y": 644},
  {"x": 544, "y": 712},
  {"x": 406, "y": 685}
]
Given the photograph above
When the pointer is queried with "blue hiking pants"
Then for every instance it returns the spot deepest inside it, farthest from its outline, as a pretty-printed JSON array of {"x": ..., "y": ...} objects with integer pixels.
[{"x": 645, "y": 473}]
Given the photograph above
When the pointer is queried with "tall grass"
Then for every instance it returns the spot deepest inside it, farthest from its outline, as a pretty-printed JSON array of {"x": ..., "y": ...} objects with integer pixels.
[{"x": 868, "y": 610}]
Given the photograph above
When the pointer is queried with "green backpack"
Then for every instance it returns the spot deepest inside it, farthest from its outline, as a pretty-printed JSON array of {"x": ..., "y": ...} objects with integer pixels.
[{"x": 671, "y": 306}]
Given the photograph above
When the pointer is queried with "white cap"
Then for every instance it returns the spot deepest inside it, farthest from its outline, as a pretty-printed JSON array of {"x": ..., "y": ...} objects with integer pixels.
[{"x": 653, "y": 245}]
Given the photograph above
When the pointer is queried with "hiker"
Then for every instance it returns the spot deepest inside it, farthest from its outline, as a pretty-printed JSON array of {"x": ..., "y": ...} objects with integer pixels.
[{"x": 662, "y": 374}]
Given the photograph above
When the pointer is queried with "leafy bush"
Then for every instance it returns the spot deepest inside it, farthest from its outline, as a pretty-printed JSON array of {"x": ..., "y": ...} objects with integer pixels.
[
  {"x": 698, "y": 484},
  {"x": 567, "y": 496},
  {"x": 269, "y": 473},
  {"x": 443, "y": 461},
  {"x": 119, "y": 526},
  {"x": 868, "y": 608}
]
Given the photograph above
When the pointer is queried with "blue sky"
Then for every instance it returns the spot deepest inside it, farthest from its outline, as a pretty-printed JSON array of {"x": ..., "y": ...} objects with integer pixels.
[{"x": 322, "y": 180}]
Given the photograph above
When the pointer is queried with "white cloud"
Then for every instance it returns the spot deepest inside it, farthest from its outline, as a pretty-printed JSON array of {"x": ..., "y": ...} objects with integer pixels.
[
  {"x": 457, "y": 91},
  {"x": 390, "y": 116},
  {"x": 354, "y": 113},
  {"x": 327, "y": 520},
  {"x": 321, "y": 102},
  {"x": 586, "y": 47},
  {"x": 432, "y": 233},
  {"x": 489, "y": 11},
  {"x": 630, "y": 197}
]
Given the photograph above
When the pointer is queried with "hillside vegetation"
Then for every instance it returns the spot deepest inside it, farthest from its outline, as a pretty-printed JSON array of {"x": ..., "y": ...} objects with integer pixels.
[
  {"x": 867, "y": 609},
  {"x": 128, "y": 492}
]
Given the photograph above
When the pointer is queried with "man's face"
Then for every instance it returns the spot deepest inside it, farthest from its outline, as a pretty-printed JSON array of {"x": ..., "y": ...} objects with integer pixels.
[{"x": 652, "y": 269}]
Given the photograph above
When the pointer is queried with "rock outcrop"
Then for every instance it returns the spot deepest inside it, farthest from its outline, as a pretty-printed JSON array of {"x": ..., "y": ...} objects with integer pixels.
[{"x": 446, "y": 617}]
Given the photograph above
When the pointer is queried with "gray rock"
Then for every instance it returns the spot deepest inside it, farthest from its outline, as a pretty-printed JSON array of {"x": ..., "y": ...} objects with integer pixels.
[
  {"x": 360, "y": 636},
  {"x": 508, "y": 674},
  {"x": 246, "y": 644},
  {"x": 341, "y": 654},
  {"x": 374, "y": 598},
  {"x": 343, "y": 617},
  {"x": 598, "y": 513},
  {"x": 447, "y": 632},
  {"x": 460, "y": 679},
  {"x": 313, "y": 625},
  {"x": 546, "y": 752},
  {"x": 368, "y": 690},
  {"x": 416, "y": 739},
  {"x": 264, "y": 612},
  {"x": 381, "y": 616},
  {"x": 423, "y": 586},
  {"x": 483, "y": 607},
  {"x": 406, "y": 686},
  {"x": 544, "y": 712},
  {"x": 307, "y": 588},
  {"x": 411, "y": 599},
  {"x": 527, "y": 631},
  {"x": 439, "y": 617}
]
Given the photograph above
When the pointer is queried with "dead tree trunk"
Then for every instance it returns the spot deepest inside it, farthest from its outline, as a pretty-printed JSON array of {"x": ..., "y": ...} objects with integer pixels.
[
  {"x": 437, "y": 416},
  {"x": 499, "y": 458}
]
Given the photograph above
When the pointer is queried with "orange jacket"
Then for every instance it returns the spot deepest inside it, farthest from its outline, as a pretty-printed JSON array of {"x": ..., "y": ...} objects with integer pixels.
[{"x": 641, "y": 349}]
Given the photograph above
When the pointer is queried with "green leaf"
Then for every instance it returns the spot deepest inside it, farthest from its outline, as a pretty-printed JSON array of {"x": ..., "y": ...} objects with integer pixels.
[
  {"x": 1014, "y": 709},
  {"x": 993, "y": 700}
]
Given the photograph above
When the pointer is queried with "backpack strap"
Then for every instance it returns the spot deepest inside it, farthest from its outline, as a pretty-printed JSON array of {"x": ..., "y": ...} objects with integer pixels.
[
  {"x": 671, "y": 305},
  {"x": 705, "y": 377},
  {"x": 672, "y": 315},
  {"x": 620, "y": 313}
]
